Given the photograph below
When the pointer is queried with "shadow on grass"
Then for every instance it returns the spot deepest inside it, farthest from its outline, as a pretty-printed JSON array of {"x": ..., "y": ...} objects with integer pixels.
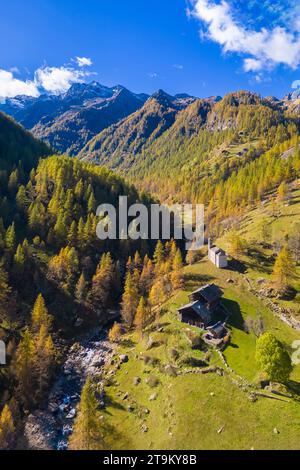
[
  {"x": 294, "y": 387},
  {"x": 193, "y": 281},
  {"x": 111, "y": 434},
  {"x": 113, "y": 404},
  {"x": 236, "y": 319},
  {"x": 127, "y": 343},
  {"x": 260, "y": 261},
  {"x": 235, "y": 265}
]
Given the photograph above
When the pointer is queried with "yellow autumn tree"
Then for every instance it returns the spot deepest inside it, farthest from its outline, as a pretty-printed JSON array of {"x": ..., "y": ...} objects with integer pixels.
[
  {"x": 284, "y": 269},
  {"x": 142, "y": 316},
  {"x": 177, "y": 278},
  {"x": 7, "y": 428},
  {"x": 40, "y": 315},
  {"x": 88, "y": 429},
  {"x": 115, "y": 333}
]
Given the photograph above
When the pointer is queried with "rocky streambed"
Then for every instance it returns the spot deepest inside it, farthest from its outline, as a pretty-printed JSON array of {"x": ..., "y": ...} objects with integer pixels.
[{"x": 50, "y": 428}]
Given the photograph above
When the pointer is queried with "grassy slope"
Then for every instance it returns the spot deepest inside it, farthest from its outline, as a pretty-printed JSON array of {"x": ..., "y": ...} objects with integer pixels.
[
  {"x": 190, "y": 409},
  {"x": 258, "y": 264},
  {"x": 186, "y": 415}
]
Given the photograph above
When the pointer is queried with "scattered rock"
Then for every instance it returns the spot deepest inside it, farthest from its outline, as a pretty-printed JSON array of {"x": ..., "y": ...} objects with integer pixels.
[
  {"x": 252, "y": 397},
  {"x": 153, "y": 397},
  {"x": 144, "y": 428},
  {"x": 40, "y": 431},
  {"x": 67, "y": 430},
  {"x": 98, "y": 361},
  {"x": 71, "y": 414},
  {"x": 62, "y": 445},
  {"x": 146, "y": 411},
  {"x": 150, "y": 343},
  {"x": 123, "y": 358},
  {"x": 170, "y": 370},
  {"x": 212, "y": 394},
  {"x": 230, "y": 281},
  {"x": 275, "y": 431},
  {"x": 126, "y": 396},
  {"x": 130, "y": 409},
  {"x": 137, "y": 380},
  {"x": 221, "y": 430}
]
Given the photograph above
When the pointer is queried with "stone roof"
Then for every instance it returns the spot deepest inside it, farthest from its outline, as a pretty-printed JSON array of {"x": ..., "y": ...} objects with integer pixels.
[
  {"x": 217, "y": 250},
  {"x": 210, "y": 292},
  {"x": 199, "y": 309}
]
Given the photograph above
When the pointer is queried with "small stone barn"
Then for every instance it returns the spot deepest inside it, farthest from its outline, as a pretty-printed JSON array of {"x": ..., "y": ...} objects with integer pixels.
[
  {"x": 203, "y": 304},
  {"x": 196, "y": 314},
  {"x": 217, "y": 256},
  {"x": 210, "y": 295}
]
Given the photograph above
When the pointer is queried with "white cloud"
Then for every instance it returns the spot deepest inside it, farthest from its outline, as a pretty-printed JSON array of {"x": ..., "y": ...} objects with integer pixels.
[
  {"x": 58, "y": 80},
  {"x": 178, "y": 66},
  {"x": 11, "y": 86},
  {"x": 153, "y": 75},
  {"x": 266, "y": 47},
  {"x": 84, "y": 61},
  {"x": 252, "y": 65},
  {"x": 53, "y": 80},
  {"x": 296, "y": 84}
]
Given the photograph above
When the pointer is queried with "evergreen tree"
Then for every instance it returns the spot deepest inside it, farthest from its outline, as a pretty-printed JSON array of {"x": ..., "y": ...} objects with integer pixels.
[
  {"x": 237, "y": 244},
  {"x": 81, "y": 289},
  {"x": 24, "y": 368},
  {"x": 101, "y": 282},
  {"x": 88, "y": 430},
  {"x": 44, "y": 361},
  {"x": 7, "y": 429},
  {"x": 157, "y": 295},
  {"x": 92, "y": 203},
  {"x": 10, "y": 239},
  {"x": 177, "y": 277},
  {"x": 147, "y": 275},
  {"x": 137, "y": 262},
  {"x": 158, "y": 257},
  {"x": 4, "y": 289},
  {"x": 115, "y": 333},
  {"x": 19, "y": 261},
  {"x": 142, "y": 316},
  {"x": 190, "y": 257},
  {"x": 265, "y": 231},
  {"x": 129, "y": 300},
  {"x": 283, "y": 192},
  {"x": 81, "y": 234},
  {"x": 21, "y": 198},
  {"x": 40, "y": 315},
  {"x": 284, "y": 269},
  {"x": 72, "y": 234},
  {"x": 13, "y": 182}
]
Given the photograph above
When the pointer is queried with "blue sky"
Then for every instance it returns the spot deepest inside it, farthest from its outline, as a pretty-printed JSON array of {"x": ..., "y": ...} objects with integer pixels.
[{"x": 202, "y": 47}]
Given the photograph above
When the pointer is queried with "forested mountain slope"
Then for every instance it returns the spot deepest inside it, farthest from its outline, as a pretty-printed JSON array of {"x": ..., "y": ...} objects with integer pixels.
[
  {"x": 57, "y": 279},
  {"x": 69, "y": 120},
  {"x": 207, "y": 139},
  {"x": 119, "y": 144},
  {"x": 17, "y": 145}
]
